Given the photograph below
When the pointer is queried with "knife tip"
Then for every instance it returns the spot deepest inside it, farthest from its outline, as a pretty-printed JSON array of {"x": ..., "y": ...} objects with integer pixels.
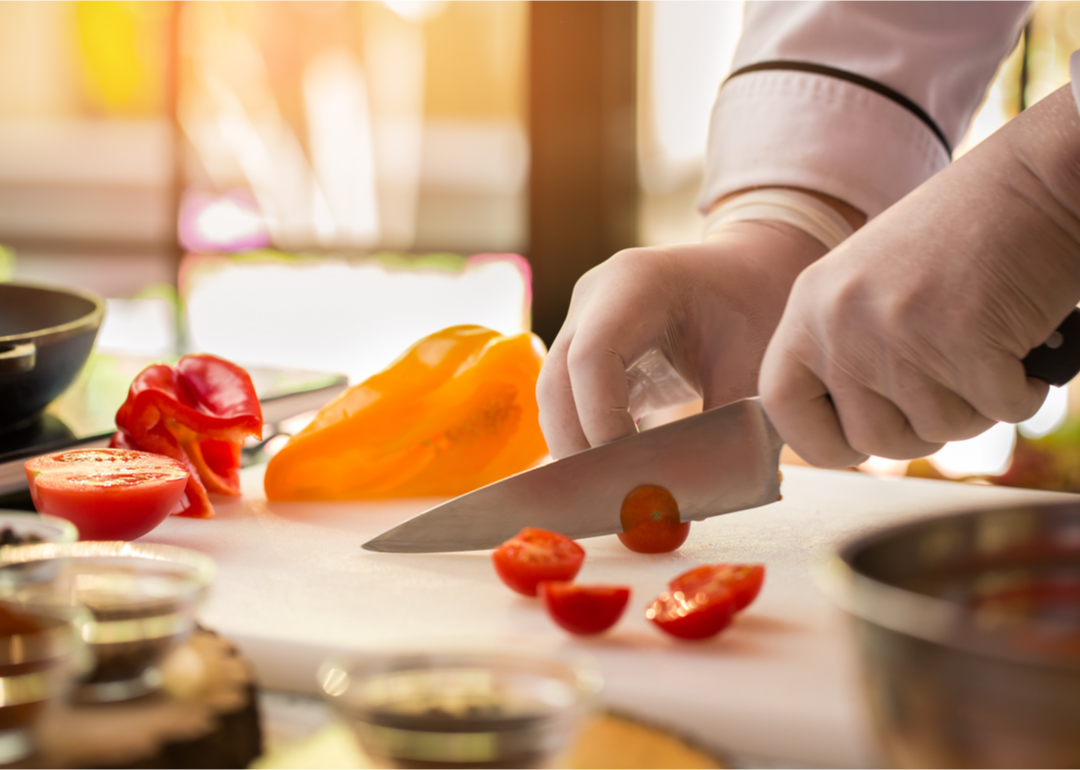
[{"x": 375, "y": 545}]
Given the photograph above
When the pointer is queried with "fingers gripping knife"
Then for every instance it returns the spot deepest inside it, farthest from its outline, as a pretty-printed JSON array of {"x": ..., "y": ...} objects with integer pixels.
[{"x": 722, "y": 460}]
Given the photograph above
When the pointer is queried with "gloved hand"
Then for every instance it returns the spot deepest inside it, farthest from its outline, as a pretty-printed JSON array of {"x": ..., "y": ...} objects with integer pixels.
[
  {"x": 707, "y": 310},
  {"x": 911, "y": 333}
]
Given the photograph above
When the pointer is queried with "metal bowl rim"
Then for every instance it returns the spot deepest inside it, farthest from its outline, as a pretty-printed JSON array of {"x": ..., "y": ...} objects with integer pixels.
[{"x": 927, "y": 617}]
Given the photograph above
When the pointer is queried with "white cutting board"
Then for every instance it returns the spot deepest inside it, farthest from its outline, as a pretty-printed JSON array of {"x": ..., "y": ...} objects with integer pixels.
[{"x": 780, "y": 683}]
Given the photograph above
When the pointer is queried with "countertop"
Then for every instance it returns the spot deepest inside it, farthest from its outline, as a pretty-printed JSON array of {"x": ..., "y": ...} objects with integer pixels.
[{"x": 780, "y": 684}]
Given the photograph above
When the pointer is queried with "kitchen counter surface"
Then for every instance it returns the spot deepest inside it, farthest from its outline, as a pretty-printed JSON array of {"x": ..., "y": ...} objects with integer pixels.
[{"x": 780, "y": 684}]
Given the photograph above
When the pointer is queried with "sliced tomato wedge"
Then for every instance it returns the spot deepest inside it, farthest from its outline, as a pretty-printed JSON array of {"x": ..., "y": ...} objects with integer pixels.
[
  {"x": 108, "y": 494},
  {"x": 692, "y": 617},
  {"x": 743, "y": 580},
  {"x": 584, "y": 610},
  {"x": 650, "y": 521},
  {"x": 534, "y": 555}
]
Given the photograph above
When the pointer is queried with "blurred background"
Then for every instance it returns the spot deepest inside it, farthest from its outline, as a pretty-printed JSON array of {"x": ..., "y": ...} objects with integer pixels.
[{"x": 318, "y": 184}]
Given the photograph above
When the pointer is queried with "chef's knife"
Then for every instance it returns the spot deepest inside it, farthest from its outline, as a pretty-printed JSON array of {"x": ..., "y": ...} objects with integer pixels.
[
  {"x": 719, "y": 461},
  {"x": 723, "y": 460}
]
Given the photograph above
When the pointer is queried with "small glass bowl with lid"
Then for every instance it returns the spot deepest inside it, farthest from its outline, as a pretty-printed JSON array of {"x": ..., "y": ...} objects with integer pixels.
[
  {"x": 462, "y": 706},
  {"x": 131, "y": 602}
]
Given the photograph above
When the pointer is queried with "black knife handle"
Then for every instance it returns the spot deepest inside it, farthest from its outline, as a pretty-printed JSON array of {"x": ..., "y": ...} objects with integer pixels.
[{"x": 1058, "y": 359}]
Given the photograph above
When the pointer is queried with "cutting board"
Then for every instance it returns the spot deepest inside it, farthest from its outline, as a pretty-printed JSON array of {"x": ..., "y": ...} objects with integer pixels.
[{"x": 781, "y": 684}]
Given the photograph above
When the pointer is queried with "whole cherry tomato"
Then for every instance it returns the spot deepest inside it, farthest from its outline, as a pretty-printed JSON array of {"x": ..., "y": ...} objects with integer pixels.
[
  {"x": 584, "y": 610},
  {"x": 743, "y": 580},
  {"x": 692, "y": 617},
  {"x": 108, "y": 494},
  {"x": 534, "y": 555},
  {"x": 650, "y": 521}
]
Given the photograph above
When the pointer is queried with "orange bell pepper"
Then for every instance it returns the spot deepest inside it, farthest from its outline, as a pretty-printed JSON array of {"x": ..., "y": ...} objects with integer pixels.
[{"x": 455, "y": 412}]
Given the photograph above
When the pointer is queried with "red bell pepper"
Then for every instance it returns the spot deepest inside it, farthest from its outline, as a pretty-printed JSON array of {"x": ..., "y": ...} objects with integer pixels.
[{"x": 198, "y": 412}]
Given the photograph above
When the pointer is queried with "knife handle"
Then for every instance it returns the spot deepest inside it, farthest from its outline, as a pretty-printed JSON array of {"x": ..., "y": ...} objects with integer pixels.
[{"x": 1058, "y": 359}]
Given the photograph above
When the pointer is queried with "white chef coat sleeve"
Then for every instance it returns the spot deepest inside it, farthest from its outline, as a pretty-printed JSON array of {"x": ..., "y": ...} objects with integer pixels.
[
  {"x": 862, "y": 101},
  {"x": 1074, "y": 73}
]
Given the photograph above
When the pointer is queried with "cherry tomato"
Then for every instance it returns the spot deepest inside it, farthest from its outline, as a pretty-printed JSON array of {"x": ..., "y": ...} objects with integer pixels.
[
  {"x": 534, "y": 555},
  {"x": 108, "y": 494},
  {"x": 743, "y": 580},
  {"x": 584, "y": 609},
  {"x": 692, "y": 617},
  {"x": 650, "y": 521}
]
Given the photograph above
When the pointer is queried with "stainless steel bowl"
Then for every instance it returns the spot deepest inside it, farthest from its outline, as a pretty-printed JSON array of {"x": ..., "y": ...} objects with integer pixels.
[{"x": 969, "y": 632}]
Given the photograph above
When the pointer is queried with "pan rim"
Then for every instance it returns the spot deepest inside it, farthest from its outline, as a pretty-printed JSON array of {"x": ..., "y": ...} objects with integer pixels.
[{"x": 90, "y": 320}]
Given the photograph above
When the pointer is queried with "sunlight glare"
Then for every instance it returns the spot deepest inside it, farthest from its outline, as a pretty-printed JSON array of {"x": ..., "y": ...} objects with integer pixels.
[
  {"x": 349, "y": 317},
  {"x": 987, "y": 454}
]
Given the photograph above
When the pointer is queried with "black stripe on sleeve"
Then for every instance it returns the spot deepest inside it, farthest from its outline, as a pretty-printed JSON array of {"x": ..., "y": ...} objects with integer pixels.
[{"x": 851, "y": 77}]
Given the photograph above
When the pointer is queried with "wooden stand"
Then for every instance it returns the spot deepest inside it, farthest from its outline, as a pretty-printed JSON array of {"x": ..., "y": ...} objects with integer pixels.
[{"x": 204, "y": 716}]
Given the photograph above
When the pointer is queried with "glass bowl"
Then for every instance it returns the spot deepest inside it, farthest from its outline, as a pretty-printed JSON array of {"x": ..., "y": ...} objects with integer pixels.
[
  {"x": 39, "y": 658},
  {"x": 132, "y": 603},
  {"x": 23, "y": 528},
  {"x": 461, "y": 708}
]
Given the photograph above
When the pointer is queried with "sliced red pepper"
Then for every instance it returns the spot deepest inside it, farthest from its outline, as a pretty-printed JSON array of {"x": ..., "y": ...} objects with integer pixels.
[{"x": 198, "y": 412}]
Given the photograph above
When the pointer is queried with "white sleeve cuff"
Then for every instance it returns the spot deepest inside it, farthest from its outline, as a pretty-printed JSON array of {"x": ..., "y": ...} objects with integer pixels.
[
  {"x": 1074, "y": 73},
  {"x": 782, "y": 128}
]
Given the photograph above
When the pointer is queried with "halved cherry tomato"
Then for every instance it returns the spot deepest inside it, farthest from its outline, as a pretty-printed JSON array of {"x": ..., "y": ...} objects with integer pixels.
[
  {"x": 692, "y": 617},
  {"x": 650, "y": 521},
  {"x": 584, "y": 609},
  {"x": 534, "y": 555},
  {"x": 743, "y": 580},
  {"x": 108, "y": 494}
]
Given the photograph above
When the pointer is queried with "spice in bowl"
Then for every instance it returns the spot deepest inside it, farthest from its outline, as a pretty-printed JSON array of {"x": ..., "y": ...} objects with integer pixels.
[
  {"x": 24, "y": 528},
  {"x": 9, "y": 536},
  {"x": 39, "y": 656}
]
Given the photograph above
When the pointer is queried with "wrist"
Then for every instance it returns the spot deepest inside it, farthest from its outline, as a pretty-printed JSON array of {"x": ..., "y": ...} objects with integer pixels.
[{"x": 822, "y": 217}]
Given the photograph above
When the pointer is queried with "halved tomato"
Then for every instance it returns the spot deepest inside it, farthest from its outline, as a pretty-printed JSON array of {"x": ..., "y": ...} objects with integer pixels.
[
  {"x": 692, "y": 617},
  {"x": 584, "y": 610},
  {"x": 743, "y": 580},
  {"x": 650, "y": 521},
  {"x": 534, "y": 555},
  {"x": 108, "y": 494}
]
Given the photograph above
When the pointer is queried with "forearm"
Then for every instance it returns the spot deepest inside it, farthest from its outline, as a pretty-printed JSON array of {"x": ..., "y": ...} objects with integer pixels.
[{"x": 1043, "y": 170}]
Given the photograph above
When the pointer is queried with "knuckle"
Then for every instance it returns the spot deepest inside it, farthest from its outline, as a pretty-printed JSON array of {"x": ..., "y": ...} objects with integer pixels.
[
  {"x": 933, "y": 423},
  {"x": 830, "y": 455},
  {"x": 549, "y": 386},
  {"x": 1012, "y": 406},
  {"x": 886, "y": 433},
  {"x": 937, "y": 427},
  {"x": 579, "y": 355},
  {"x": 894, "y": 445},
  {"x": 865, "y": 440}
]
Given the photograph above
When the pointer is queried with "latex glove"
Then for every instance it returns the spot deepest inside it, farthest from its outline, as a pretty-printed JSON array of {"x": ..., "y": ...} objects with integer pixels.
[
  {"x": 911, "y": 333},
  {"x": 704, "y": 310}
]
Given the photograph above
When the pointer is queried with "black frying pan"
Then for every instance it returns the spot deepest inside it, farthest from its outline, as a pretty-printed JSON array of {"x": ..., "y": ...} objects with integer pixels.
[{"x": 46, "y": 335}]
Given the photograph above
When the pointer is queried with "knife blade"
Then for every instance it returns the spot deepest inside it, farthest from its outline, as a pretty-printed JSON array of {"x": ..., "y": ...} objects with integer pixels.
[{"x": 719, "y": 461}]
